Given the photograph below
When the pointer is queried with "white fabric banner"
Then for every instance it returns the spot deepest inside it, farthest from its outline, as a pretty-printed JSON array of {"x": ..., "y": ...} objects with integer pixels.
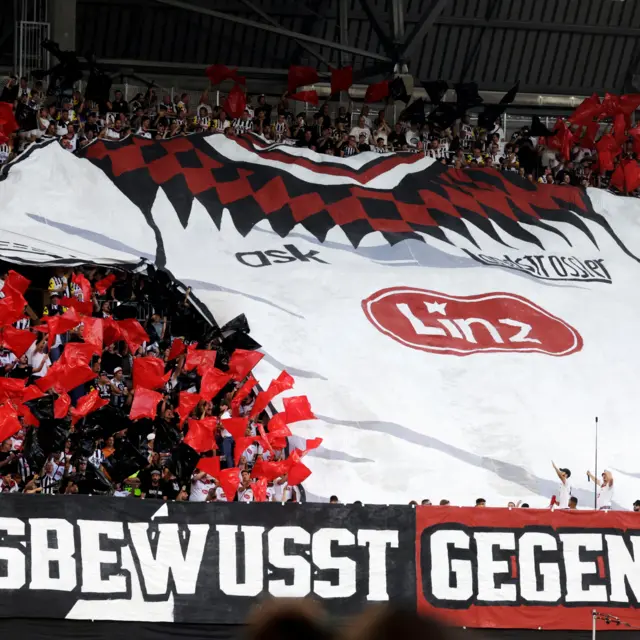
[{"x": 454, "y": 361}]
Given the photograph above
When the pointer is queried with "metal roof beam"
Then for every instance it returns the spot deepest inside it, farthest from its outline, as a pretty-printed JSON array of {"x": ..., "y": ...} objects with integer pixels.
[
  {"x": 385, "y": 40},
  {"x": 555, "y": 27},
  {"x": 275, "y": 23},
  {"x": 278, "y": 30},
  {"x": 426, "y": 21}
]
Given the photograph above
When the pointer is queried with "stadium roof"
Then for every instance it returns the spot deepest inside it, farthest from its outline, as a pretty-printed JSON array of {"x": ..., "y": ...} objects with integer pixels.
[{"x": 552, "y": 46}]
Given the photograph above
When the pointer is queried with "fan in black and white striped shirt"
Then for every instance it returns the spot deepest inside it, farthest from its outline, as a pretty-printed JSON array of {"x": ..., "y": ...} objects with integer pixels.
[
  {"x": 48, "y": 484},
  {"x": 244, "y": 124}
]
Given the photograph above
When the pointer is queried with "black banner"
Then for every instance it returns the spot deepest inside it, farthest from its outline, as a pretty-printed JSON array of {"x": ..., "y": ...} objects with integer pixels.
[{"x": 89, "y": 558}]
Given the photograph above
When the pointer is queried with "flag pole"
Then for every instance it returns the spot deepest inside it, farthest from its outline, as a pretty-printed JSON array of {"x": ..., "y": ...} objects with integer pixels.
[
  {"x": 595, "y": 482},
  {"x": 593, "y": 613}
]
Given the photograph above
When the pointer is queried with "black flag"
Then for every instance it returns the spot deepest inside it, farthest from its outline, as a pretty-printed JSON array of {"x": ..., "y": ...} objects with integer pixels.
[{"x": 436, "y": 90}]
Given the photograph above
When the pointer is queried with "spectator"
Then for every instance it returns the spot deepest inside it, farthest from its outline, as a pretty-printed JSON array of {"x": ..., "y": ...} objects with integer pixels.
[
  {"x": 362, "y": 128},
  {"x": 573, "y": 503},
  {"x": 481, "y": 502}
]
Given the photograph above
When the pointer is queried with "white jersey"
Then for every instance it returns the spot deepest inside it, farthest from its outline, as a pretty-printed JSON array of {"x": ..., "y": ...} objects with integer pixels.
[
  {"x": 605, "y": 496},
  {"x": 221, "y": 496},
  {"x": 564, "y": 494},
  {"x": 199, "y": 491},
  {"x": 245, "y": 495}
]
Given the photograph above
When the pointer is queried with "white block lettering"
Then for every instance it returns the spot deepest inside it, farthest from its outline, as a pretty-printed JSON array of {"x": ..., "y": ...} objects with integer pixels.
[
  {"x": 322, "y": 558},
  {"x": 377, "y": 541},
  {"x": 169, "y": 557},
  {"x": 42, "y": 555},
  {"x": 253, "y": 560}
]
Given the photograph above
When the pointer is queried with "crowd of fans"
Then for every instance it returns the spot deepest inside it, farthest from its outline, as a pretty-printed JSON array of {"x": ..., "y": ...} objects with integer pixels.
[
  {"x": 76, "y": 121},
  {"x": 86, "y": 439}
]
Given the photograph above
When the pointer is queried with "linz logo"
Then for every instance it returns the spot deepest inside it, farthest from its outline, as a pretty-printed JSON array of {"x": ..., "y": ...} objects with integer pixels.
[
  {"x": 464, "y": 566},
  {"x": 463, "y": 325}
]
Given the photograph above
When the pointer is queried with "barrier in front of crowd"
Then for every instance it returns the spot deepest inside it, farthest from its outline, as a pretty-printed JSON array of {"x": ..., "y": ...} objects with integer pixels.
[{"x": 89, "y": 558}]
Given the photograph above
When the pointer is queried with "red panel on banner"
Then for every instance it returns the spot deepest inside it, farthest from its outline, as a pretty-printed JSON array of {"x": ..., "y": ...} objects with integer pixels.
[{"x": 526, "y": 568}]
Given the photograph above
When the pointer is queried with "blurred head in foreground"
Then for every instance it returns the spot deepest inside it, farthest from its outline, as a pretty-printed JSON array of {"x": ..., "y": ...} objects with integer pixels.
[
  {"x": 387, "y": 622},
  {"x": 285, "y": 619}
]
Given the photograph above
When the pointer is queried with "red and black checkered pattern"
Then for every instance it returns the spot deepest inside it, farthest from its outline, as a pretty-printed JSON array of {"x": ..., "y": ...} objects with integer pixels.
[{"x": 424, "y": 202}]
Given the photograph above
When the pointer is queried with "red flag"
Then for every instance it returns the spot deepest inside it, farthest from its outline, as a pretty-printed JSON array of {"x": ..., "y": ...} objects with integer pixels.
[
  {"x": 132, "y": 333},
  {"x": 305, "y": 96},
  {"x": 241, "y": 445},
  {"x": 85, "y": 308},
  {"x": 236, "y": 102},
  {"x": 86, "y": 405},
  {"x": 299, "y": 76},
  {"x": 229, "y": 480},
  {"x": 278, "y": 426},
  {"x": 11, "y": 306},
  {"x": 242, "y": 362},
  {"x": 177, "y": 348},
  {"x": 589, "y": 109},
  {"x": 237, "y": 427},
  {"x": 62, "y": 377},
  {"x": 269, "y": 470},
  {"x": 341, "y": 79},
  {"x": 283, "y": 382},
  {"x": 78, "y": 353},
  {"x": 61, "y": 405},
  {"x": 187, "y": 403},
  {"x": 610, "y": 105},
  {"x": 241, "y": 394},
  {"x": 631, "y": 176},
  {"x": 212, "y": 382},
  {"x": 312, "y": 444},
  {"x": 617, "y": 178},
  {"x": 296, "y": 409},
  {"x": 209, "y": 465},
  {"x": 8, "y": 123},
  {"x": 148, "y": 372},
  {"x": 31, "y": 393},
  {"x": 298, "y": 473},
  {"x": 145, "y": 404},
  {"x": 9, "y": 423},
  {"x": 628, "y": 104},
  {"x": 200, "y": 435},
  {"x": 259, "y": 488},
  {"x": 377, "y": 92},
  {"x": 16, "y": 281},
  {"x": 11, "y": 389},
  {"x": 84, "y": 284},
  {"x": 105, "y": 283},
  {"x": 589, "y": 139},
  {"x": 203, "y": 359},
  {"x": 56, "y": 325},
  {"x": 16, "y": 340},
  {"x": 111, "y": 331},
  {"x": 218, "y": 73},
  {"x": 28, "y": 419},
  {"x": 619, "y": 126},
  {"x": 92, "y": 331},
  {"x": 607, "y": 149}
]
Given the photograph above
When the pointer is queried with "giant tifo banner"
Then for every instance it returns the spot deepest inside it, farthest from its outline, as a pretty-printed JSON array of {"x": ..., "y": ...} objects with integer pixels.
[
  {"x": 89, "y": 558},
  {"x": 453, "y": 330}
]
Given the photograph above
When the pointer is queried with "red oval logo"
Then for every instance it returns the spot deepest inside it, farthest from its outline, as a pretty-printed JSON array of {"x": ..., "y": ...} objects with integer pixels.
[{"x": 462, "y": 325}]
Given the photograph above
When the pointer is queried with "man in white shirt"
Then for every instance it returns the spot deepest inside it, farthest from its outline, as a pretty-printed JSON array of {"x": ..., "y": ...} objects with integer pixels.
[
  {"x": 200, "y": 486},
  {"x": 361, "y": 129},
  {"x": 245, "y": 492},
  {"x": 565, "y": 487}
]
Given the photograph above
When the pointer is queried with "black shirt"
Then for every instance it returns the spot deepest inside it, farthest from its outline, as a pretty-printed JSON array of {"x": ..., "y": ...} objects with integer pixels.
[
  {"x": 120, "y": 106},
  {"x": 154, "y": 493},
  {"x": 170, "y": 488}
]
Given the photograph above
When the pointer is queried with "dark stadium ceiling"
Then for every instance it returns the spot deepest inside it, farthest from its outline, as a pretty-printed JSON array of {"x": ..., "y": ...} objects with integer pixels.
[{"x": 570, "y": 47}]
